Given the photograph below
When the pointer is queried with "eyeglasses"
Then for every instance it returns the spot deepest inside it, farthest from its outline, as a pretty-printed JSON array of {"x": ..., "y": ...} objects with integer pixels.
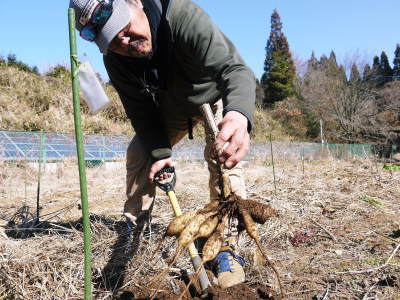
[
  {"x": 115, "y": 42},
  {"x": 100, "y": 16}
]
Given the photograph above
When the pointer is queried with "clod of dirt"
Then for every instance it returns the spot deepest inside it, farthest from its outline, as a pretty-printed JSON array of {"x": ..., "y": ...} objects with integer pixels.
[
  {"x": 237, "y": 292},
  {"x": 242, "y": 291},
  {"x": 395, "y": 234},
  {"x": 390, "y": 280},
  {"x": 260, "y": 212}
]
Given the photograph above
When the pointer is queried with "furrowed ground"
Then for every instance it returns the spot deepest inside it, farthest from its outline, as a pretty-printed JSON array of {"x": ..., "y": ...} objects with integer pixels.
[{"x": 337, "y": 235}]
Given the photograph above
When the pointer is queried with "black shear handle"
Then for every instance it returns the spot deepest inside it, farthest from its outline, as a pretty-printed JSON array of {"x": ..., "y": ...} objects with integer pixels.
[{"x": 168, "y": 184}]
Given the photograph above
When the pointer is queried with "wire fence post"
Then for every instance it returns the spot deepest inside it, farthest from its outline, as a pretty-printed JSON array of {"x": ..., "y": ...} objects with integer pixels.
[
  {"x": 391, "y": 155},
  {"x": 44, "y": 150},
  {"x": 26, "y": 177},
  {"x": 42, "y": 139},
  {"x": 337, "y": 152},
  {"x": 365, "y": 153},
  {"x": 273, "y": 164}
]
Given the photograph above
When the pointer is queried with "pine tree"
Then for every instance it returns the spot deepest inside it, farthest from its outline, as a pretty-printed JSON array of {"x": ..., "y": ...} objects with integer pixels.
[
  {"x": 375, "y": 76},
  {"x": 330, "y": 66},
  {"x": 35, "y": 70},
  {"x": 375, "y": 64},
  {"x": 354, "y": 75},
  {"x": 312, "y": 63},
  {"x": 367, "y": 73},
  {"x": 385, "y": 71},
  {"x": 277, "y": 81},
  {"x": 323, "y": 62},
  {"x": 332, "y": 57},
  {"x": 341, "y": 74},
  {"x": 312, "y": 66},
  {"x": 259, "y": 94},
  {"x": 396, "y": 63},
  {"x": 11, "y": 59}
]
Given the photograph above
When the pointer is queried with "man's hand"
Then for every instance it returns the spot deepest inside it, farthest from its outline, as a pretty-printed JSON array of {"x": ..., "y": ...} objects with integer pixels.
[
  {"x": 233, "y": 140},
  {"x": 158, "y": 166}
]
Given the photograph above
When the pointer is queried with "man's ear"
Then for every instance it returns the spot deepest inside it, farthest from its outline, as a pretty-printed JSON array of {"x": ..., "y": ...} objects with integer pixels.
[{"x": 139, "y": 4}]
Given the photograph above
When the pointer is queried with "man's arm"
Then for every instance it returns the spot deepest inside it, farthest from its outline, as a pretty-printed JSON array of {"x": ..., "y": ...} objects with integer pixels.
[{"x": 208, "y": 52}]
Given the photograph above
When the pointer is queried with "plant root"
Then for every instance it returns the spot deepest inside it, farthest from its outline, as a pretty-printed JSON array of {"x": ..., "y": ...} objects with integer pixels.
[{"x": 210, "y": 222}]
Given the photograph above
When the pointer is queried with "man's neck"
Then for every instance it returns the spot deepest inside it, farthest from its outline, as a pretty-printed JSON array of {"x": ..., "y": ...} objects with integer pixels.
[{"x": 152, "y": 9}]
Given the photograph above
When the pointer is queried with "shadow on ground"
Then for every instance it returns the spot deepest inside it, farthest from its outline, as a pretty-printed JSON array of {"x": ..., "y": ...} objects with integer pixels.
[{"x": 24, "y": 225}]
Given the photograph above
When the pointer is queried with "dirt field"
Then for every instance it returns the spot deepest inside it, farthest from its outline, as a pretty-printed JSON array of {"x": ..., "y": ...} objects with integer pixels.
[{"x": 337, "y": 235}]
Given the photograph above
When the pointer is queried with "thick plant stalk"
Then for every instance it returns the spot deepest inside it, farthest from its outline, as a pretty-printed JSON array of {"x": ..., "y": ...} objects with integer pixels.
[{"x": 212, "y": 133}]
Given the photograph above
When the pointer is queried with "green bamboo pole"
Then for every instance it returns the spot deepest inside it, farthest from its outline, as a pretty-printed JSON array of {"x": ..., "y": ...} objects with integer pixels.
[{"x": 81, "y": 158}]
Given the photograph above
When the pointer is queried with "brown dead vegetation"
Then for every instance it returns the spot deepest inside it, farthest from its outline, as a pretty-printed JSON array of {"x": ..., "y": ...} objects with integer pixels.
[{"x": 336, "y": 236}]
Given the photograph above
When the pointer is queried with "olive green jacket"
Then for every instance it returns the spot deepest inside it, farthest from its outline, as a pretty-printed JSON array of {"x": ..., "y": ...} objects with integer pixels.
[{"x": 195, "y": 64}]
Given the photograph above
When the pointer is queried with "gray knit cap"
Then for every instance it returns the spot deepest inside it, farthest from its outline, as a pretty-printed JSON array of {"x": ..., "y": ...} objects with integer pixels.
[{"x": 118, "y": 20}]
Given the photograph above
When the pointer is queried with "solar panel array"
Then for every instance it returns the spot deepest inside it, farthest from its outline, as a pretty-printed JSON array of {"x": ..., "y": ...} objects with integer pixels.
[{"x": 16, "y": 145}]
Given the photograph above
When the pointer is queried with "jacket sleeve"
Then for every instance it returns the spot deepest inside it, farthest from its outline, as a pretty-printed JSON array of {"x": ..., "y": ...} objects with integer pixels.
[
  {"x": 140, "y": 108},
  {"x": 208, "y": 51}
]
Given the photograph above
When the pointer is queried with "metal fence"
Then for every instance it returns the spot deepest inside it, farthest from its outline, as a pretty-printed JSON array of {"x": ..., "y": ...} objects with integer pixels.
[
  {"x": 52, "y": 147},
  {"x": 38, "y": 173},
  {"x": 49, "y": 146}
]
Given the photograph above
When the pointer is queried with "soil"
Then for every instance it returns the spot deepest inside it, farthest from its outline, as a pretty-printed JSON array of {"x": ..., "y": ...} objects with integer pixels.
[
  {"x": 336, "y": 236},
  {"x": 260, "y": 212},
  {"x": 240, "y": 291}
]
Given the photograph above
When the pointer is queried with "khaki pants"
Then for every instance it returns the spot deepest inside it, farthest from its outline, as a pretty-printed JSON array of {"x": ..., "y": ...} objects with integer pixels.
[{"x": 140, "y": 193}]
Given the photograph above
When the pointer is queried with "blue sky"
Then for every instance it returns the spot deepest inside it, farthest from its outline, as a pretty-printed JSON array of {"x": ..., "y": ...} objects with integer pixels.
[{"x": 37, "y": 31}]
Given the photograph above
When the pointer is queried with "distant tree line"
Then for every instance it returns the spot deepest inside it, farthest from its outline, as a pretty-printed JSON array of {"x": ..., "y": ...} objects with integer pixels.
[
  {"x": 353, "y": 106},
  {"x": 353, "y": 103},
  {"x": 12, "y": 61},
  {"x": 56, "y": 71}
]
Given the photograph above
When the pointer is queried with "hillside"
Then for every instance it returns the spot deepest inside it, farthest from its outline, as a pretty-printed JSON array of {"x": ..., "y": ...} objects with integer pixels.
[{"x": 32, "y": 102}]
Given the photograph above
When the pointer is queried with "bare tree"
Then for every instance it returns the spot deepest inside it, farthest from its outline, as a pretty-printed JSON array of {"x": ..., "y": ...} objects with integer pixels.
[
  {"x": 388, "y": 118},
  {"x": 346, "y": 108},
  {"x": 354, "y": 109}
]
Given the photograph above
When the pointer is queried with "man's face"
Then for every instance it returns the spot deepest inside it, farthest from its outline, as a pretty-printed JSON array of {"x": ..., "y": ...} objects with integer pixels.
[{"x": 135, "y": 39}]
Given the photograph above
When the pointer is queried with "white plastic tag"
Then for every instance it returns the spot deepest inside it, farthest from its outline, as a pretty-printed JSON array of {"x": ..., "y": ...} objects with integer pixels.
[{"x": 92, "y": 91}]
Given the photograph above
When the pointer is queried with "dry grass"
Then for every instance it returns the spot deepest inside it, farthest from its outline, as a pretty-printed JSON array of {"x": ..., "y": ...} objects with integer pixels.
[
  {"x": 337, "y": 236},
  {"x": 265, "y": 125},
  {"x": 31, "y": 102}
]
